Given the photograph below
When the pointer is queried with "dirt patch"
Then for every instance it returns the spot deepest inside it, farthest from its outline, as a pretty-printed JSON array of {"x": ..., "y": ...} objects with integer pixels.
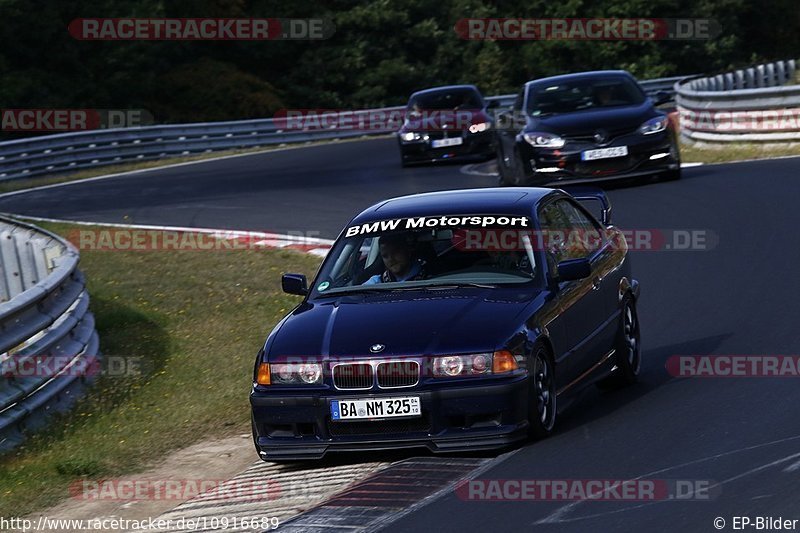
[{"x": 214, "y": 460}]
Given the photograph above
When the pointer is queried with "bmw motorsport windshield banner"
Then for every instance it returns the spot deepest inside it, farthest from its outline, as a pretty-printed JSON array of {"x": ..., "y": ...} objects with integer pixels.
[{"x": 442, "y": 222}]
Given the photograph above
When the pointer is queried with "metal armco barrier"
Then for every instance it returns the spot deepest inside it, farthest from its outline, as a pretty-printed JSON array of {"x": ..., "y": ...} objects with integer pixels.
[
  {"x": 67, "y": 152},
  {"x": 758, "y": 104},
  {"x": 44, "y": 317}
]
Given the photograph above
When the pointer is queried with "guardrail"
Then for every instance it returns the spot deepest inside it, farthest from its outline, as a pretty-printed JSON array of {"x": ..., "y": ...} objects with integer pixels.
[
  {"x": 747, "y": 105},
  {"x": 46, "y": 329},
  {"x": 73, "y": 151}
]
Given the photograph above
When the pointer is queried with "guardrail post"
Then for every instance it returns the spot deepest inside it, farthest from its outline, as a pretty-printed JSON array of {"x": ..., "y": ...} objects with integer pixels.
[
  {"x": 780, "y": 73},
  {"x": 750, "y": 78},
  {"x": 771, "y": 78},
  {"x": 729, "y": 83},
  {"x": 739, "y": 80}
]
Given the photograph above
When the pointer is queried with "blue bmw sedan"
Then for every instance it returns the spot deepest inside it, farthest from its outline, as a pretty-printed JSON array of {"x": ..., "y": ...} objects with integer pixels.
[{"x": 451, "y": 321}]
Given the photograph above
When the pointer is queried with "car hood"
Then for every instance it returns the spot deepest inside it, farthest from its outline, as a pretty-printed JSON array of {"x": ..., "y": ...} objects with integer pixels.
[
  {"x": 581, "y": 122},
  {"x": 416, "y": 323}
]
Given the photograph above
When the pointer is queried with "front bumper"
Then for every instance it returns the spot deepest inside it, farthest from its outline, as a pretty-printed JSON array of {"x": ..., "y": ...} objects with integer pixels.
[
  {"x": 474, "y": 145},
  {"x": 454, "y": 419},
  {"x": 547, "y": 165}
]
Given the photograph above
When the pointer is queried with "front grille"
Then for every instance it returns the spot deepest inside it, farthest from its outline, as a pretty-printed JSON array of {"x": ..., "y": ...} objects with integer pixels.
[
  {"x": 353, "y": 376},
  {"x": 398, "y": 374},
  {"x": 600, "y": 166},
  {"x": 588, "y": 136},
  {"x": 380, "y": 427}
]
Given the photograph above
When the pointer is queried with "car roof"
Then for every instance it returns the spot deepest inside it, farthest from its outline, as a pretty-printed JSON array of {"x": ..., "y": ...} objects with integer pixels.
[
  {"x": 582, "y": 76},
  {"x": 444, "y": 88},
  {"x": 498, "y": 201}
]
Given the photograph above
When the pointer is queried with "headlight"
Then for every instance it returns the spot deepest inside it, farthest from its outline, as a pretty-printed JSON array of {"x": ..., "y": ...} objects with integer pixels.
[
  {"x": 654, "y": 125},
  {"x": 296, "y": 373},
  {"x": 479, "y": 128},
  {"x": 462, "y": 365},
  {"x": 544, "y": 140},
  {"x": 410, "y": 136}
]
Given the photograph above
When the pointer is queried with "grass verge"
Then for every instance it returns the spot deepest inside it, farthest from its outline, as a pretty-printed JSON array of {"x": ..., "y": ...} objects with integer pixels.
[
  {"x": 197, "y": 319},
  {"x": 735, "y": 152}
]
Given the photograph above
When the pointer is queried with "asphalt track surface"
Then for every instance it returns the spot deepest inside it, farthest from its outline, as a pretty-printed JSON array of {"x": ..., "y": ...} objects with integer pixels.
[{"x": 741, "y": 297}]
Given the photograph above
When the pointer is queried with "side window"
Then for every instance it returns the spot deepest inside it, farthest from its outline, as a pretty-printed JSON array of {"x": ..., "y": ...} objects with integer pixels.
[
  {"x": 567, "y": 232},
  {"x": 554, "y": 225},
  {"x": 587, "y": 234}
]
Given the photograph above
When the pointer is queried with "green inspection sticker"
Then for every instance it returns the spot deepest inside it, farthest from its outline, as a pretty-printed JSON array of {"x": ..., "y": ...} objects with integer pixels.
[{"x": 322, "y": 286}]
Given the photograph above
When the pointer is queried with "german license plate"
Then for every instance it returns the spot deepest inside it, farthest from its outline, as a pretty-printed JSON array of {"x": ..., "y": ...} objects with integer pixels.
[
  {"x": 605, "y": 153},
  {"x": 452, "y": 141},
  {"x": 368, "y": 408}
]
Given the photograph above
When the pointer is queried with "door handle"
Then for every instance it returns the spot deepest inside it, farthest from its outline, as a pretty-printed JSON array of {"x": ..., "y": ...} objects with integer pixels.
[{"x": 596, "y": 284}]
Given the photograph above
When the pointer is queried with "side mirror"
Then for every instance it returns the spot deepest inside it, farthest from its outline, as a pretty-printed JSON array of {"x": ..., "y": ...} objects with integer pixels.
[
  {"x": 504, "y": 120},
  {"x": 662, "y": 97},
  {"x": 492, "y": 104},
  {"x": 574, "y": 269},
  {"x": 294, "y": 284}
]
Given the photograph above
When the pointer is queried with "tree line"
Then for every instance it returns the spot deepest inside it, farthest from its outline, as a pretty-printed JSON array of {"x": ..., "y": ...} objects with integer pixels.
[{"x": 381, "y": 51}]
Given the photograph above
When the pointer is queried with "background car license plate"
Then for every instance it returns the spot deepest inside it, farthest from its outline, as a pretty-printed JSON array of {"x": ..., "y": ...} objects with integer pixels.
[
  {"x": 375, "y": 408},
  {"x": 441, "y": 143},
  {"x": 605, "y": 153}
]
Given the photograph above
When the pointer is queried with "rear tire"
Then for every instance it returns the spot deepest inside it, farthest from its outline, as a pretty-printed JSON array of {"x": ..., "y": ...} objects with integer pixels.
[
  {"x": 542, "y": 410},
  {"x": 628, "y": 349},
  {"x": 502, "y": 170}
]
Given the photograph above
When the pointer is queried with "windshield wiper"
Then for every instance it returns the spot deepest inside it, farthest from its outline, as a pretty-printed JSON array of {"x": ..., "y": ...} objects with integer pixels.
[
  {"x": 358, "y": 289},
  {"x": 458, "y": 284}
]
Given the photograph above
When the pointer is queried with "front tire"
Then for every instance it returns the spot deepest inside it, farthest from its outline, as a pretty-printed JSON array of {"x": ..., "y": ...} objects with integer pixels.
[
  {"x": 542, "y": 409},
  {"x": 675, "y": 174}
]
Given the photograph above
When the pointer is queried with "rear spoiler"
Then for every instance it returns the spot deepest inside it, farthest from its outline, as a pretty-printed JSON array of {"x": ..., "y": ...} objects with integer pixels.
[{"x": 592, "y": 194}]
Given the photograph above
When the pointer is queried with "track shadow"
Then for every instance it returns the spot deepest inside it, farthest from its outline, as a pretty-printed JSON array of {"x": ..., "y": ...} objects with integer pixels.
[
  {"x": 119, "y": 328},
  {"x": 592, "y": 404}
]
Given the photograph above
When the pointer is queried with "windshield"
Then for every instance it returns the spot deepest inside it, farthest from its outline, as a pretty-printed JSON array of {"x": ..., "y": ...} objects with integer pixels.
[
  {"x": 579, "y": 95},
  {"x": 473, "y": 251},
  {"x": 443, "y": 100}
]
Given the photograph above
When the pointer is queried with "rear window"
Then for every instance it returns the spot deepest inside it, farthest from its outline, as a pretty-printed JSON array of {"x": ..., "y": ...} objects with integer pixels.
[{"x": 454, "y": 99}]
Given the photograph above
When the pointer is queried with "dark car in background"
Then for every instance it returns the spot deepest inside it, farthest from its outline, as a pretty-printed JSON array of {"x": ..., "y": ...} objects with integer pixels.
[
  {"x": 454, "y": 321},
  {"x": 446, "y": 123},
  {"x": 585, "y": 126}
]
